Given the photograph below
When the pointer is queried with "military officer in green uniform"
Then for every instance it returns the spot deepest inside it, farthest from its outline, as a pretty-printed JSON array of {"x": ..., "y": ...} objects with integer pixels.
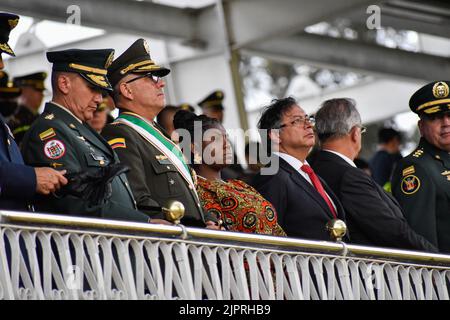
[
  {"x": 9, "y": 94},
  {"x": 421, "y": 181},
  {"x": 158, "y": 172},
  {"x": 59, "y": 138},
  {"x": 32, "y": 93}
]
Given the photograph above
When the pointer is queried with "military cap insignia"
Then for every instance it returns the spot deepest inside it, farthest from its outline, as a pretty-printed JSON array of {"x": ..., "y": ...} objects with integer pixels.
[
  {"x": 410, "y": 184},
  {"x": 13, "y": 23},
  {"x": 440, "y": 90},
  {"x": 117, "y": 143},
  {"x": 99, "y": 80},
  {"x": 109, "y": 60},
  {"x": 47, "y": 134},
  {"x": 54, "y": 149},
  {"x": 146, "y": 47},
  {"x": 6, "y": 48}
]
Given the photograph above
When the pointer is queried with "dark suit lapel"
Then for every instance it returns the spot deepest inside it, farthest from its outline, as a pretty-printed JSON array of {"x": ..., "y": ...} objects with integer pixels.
[{"x": 303, "y": 183}]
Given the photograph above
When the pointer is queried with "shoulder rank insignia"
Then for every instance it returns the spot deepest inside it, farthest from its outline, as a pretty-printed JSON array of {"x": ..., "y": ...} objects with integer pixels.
[
  {"x": 418, "y": 153},
  {"x": 117, "y": 143},
  {"x": 160, "y": 157},
  {"x": 410, "y": 184},
  {"x": 47, "y": 134},
  {"x": 446, "y": 173},
  {"x": 408, "y": 171},
  {"x": 50, "y": 116}
]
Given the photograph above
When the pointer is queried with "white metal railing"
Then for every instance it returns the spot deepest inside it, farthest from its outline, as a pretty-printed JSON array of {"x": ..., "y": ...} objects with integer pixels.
[{"x": 58, "y": 257}]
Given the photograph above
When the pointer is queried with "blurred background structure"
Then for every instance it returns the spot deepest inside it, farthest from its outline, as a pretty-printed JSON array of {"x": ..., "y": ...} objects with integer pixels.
[{"x": 377, "y": 52}]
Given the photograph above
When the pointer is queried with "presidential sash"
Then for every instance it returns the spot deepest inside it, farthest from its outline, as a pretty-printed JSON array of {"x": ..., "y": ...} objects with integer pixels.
[{"x": 159, "y": 141}]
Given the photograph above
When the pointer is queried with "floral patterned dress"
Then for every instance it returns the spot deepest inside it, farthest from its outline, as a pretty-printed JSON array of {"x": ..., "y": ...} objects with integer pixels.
[{"x": 239, "y": 205}]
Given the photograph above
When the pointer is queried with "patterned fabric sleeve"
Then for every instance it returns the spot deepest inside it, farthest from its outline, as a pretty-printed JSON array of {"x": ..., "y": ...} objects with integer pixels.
[{"x": 240, "y": 206}]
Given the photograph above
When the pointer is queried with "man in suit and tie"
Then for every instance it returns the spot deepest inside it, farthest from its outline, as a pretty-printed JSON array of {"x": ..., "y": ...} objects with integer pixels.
[
  {"x": 304, "y": 202},
  {"x": 18, "y": 182},
  {"x": 374, "y": 217}
]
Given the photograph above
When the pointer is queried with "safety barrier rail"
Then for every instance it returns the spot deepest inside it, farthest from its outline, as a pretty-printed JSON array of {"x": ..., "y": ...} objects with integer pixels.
[{"x": 58, "y": 257}]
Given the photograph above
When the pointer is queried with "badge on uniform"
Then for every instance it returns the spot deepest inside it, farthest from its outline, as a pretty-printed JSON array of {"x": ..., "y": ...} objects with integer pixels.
[
  {"x": 117, "y": 143},
  {"x": 54, "y": 149},
  {"x": 410, "y": 184},
  {"x": 162, "y": 159},
  {"x": 47, "y": 134},
  {"x": 446, "y": 173}
]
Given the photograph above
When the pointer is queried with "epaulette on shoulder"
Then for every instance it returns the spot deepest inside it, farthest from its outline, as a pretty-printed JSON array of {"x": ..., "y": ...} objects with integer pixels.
[
  {"x": 417, "y": 153},
  {"x": 50, "y": 116}
]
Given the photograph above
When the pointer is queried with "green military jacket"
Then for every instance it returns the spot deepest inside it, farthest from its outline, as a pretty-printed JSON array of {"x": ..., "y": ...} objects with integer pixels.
[
  {"x": 58, "y": 139},
  {"x": 421, "y": 184},
  {"x": 21, "y": 122},
  {"x": 154, "y": 179}
]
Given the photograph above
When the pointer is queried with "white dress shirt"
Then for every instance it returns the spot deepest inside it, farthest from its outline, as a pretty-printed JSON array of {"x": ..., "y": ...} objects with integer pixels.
[
  {"x": 297, "y": 164},
  {"x": 347, "y": 159}
]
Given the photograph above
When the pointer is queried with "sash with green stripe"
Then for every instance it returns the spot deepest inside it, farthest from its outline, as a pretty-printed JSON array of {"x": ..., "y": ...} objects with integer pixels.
[{"x": 159, "y": 140}]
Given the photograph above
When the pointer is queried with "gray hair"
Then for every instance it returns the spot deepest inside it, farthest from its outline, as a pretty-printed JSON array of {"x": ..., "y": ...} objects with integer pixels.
[{"x": 336, "y": 117}]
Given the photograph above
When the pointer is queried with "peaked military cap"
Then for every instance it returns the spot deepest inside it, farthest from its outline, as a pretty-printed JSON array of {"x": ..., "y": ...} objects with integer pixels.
[
  {"x": 136, "y": 59},
  {"x": 187, "y": 107},
  {"x": 8, "y": 21},
  {"x": 213, "y": 100},
  {"x": 431, "y": 98},
  {"x": 90, "y": 64},
  {"x": 35, "y": 80},
  {"x": 7, "y": 88}
]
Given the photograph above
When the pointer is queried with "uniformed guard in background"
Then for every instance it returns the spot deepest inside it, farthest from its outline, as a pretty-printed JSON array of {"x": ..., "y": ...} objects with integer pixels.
[
  {"x": 421, "y": 181},
  {"x": 158, "y": 172},
  {"x": 59, "y": 138},
  {"x": 9, "y": 95},
  {"x": 212, "y": 105},
  {"x": 32, "y": 93}
]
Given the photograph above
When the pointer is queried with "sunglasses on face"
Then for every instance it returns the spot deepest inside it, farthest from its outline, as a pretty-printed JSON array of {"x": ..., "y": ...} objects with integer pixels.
[{"x": 150, "y": 75}]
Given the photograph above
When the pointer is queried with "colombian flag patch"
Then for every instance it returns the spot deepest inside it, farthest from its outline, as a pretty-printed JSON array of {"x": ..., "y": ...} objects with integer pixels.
[{"x": 117, "y": 143}]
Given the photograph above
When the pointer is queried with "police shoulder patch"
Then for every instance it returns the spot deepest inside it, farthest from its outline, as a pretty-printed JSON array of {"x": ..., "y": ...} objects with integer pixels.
[
  {"x": 410, "y": 184},
  {"x": 54, "y": 149}
]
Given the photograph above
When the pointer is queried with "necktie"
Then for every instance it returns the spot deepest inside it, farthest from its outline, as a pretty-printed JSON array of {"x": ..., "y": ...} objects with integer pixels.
[{"x": 318, "y": 185}]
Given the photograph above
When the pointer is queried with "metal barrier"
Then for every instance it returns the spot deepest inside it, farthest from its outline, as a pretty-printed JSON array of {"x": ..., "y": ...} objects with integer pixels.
[{"x": 59, "y": 257}]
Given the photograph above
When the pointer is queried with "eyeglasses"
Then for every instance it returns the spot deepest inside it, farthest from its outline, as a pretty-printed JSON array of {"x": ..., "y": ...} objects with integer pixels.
[
  {"x": 363, "y": 129},
  {"x": 299, "y": 121},
  {"x": 150, "y": 75}
]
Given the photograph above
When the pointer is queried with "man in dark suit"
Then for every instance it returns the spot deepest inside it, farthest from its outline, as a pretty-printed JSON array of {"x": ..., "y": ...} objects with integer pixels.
[
  {"x": 421, "y": 181},
  {"x": 304, "y": 202},
  {"x": 60, "y": 138},
  {"x": 374, "y": 217},
  {"x": 19, "y": 183}
]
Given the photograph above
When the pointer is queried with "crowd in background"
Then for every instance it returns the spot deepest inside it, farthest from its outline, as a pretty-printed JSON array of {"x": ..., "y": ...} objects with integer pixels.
[{"x": 76, "y": 159}]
